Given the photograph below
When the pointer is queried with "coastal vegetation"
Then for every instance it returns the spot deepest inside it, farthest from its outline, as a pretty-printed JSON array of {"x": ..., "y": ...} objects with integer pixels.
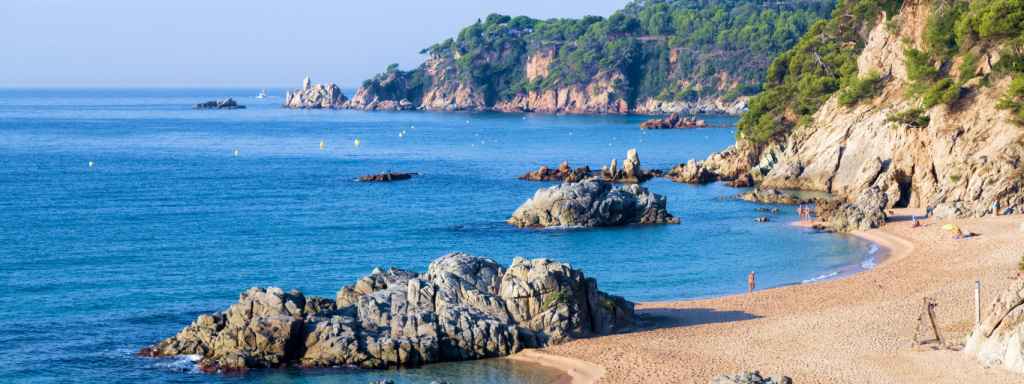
[
  {"x": 824, "y": 61},
  {"x": 941, "y": 70},
  {"x": 666, "y": 50}
]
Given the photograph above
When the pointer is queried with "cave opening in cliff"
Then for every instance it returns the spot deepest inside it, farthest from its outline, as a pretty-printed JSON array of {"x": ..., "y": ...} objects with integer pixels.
[{"x": 905, "y": 183}]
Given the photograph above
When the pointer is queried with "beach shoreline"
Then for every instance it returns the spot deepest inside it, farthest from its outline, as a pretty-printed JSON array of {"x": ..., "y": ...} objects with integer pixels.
[{"x": 794, "y": 329}]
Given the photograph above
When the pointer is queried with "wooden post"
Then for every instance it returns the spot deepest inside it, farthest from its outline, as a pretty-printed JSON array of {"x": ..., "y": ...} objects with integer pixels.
[{"x": 977, "y": 303}]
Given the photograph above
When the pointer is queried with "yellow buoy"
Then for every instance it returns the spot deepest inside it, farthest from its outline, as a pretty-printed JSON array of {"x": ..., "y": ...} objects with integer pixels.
[
  {"x": 323, "y": 144},
  {"x": 356, "y": 142}
]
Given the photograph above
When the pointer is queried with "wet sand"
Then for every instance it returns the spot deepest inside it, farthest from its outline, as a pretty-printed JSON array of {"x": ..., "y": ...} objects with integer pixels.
[{"x": 857, "y": 329}]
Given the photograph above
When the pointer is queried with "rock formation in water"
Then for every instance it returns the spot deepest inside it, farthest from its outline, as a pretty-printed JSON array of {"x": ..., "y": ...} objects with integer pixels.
[
  {"x": 630, "y": 172},
  {"x": 673, "y": 121},
  {"x": 999, "y": 340},
  {"x": 691, "y": 172},
  {"x": 315, "y": 96},
  {"x": 592, "y": 203},
  {"x": 228, "y": 103},
  {"x": 388, "y": 176},
  {"x": 463, "y": 308},
  {"x": 563, "y": 173},
  {"x": 928, "y": 129},
  {"x": 772, "y": 196}
]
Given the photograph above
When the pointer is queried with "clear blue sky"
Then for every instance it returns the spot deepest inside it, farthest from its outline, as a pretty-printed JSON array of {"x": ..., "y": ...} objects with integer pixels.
[{"x": 235, "y": 42}]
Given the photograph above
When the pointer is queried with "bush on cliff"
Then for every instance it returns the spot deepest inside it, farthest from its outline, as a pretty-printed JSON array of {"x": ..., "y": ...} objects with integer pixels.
[{"x": 801, "y": 79}]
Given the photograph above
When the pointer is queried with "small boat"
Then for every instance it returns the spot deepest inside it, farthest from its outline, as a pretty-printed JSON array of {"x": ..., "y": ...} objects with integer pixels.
[{"x": 263, "y": 94}]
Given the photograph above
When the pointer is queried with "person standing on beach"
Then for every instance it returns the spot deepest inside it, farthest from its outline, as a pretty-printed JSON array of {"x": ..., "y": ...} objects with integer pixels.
[{"x": 751, "y": 281}]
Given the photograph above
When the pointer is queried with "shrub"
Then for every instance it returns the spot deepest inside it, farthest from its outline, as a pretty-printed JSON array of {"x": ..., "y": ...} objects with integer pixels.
[
  {"x": 913, "y": 117},
  {"x": 1013, "y": 100},
  {"x": 944, "y": 91},
  {"x": 860, "y": 89}
]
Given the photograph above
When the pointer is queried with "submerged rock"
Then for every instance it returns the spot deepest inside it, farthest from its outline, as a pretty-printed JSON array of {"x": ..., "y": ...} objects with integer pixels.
[
  {"x": 673, "y": 121},
  {"x": 388, "y": 176},
  {"x": 999, "y": 340},
  {"x": 465, "y": 307},
  {"x": 315, "y": 96},
  {"x": 592, "y": 203},
  {"x": 228, "y": 103}
]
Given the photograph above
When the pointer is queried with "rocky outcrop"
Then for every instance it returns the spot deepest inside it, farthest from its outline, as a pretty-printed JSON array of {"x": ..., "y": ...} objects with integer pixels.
[
  {"x": 772, "y": 196},
  {"x": 315, "y": 96},
  {"x": 999, "y": 340},
  {"x": 967, "y": 158},
  {"x": 866, "y": 212},
  {"x": 592, "y": 203},
  {"x": 228, "y": 103},
  {"x": 563, "y": 173},
  {"x": 750, "y": 378},
  {"x": 692, "y": 172},
  {"x": 673, "y": 121},
  {"x": 388, "y": 176},
  {"x": 630, "y": 172},
  {"x": 464, "y": 307}
]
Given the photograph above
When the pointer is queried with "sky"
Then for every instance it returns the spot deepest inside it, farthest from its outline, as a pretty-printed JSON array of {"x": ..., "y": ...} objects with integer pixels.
[{"x": 258, "y": 43}]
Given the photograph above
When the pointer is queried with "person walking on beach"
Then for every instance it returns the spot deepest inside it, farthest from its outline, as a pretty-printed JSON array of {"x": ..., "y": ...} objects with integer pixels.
[{"x": 751, "y": 281}]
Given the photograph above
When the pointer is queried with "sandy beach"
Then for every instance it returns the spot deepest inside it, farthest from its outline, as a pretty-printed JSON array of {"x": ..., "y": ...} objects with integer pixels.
[{"x": 857, "y": 329}]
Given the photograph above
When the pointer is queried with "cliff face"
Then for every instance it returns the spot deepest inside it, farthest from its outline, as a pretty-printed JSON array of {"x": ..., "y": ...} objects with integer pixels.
[
  {"x": 651, "y": 57},
  {"x": 966, "y": 157}
]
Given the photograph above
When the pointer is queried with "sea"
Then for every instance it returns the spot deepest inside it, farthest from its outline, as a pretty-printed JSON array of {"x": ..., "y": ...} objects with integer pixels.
[{"x": 126, "y": 213}]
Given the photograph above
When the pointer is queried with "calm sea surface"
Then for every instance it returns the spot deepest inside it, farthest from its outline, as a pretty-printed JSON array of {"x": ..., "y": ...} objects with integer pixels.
[{"x": 167, "y": 223}]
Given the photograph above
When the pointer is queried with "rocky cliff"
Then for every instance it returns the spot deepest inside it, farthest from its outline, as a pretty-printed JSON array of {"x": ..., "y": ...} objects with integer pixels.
[
  {"x": 650, "y": 57},
  {"x": 961, "y": 155},
  {"x": 464, "y": 307}
]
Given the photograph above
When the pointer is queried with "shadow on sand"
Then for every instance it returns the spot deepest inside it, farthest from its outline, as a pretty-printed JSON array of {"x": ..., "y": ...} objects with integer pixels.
[{"x": 680, "y": 317}]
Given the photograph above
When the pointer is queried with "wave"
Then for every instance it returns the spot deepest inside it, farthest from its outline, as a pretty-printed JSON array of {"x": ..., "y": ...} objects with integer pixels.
[
  {"x": 869, "y": 263},
  {"x": 186, "y": 363},
  {"x": 822, "y": 277}
]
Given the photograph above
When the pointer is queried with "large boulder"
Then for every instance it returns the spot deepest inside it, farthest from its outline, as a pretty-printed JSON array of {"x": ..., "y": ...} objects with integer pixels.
[
  {"x": 866, "y": 212},
  {"x": 463, "y": 308},
  {"x": 999, "y": 340},
  {"x": 315, "y": 96},
  {"x": 264, "y": 329},
  {"x": 592, "y": 203},
  {"x": 692, "y": 172},
  {"x": 771, "y": 196}
]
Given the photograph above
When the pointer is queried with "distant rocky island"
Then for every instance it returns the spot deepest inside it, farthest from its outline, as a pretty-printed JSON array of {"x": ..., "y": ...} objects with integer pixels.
[
  {"x": 463, "y": 308},
  {"x": 228, "y": 103},
  {"x": 648, "y": 58}
]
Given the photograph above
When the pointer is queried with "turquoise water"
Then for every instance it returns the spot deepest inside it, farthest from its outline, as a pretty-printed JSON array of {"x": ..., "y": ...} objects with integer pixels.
[{"x": 167, "y": 223}]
